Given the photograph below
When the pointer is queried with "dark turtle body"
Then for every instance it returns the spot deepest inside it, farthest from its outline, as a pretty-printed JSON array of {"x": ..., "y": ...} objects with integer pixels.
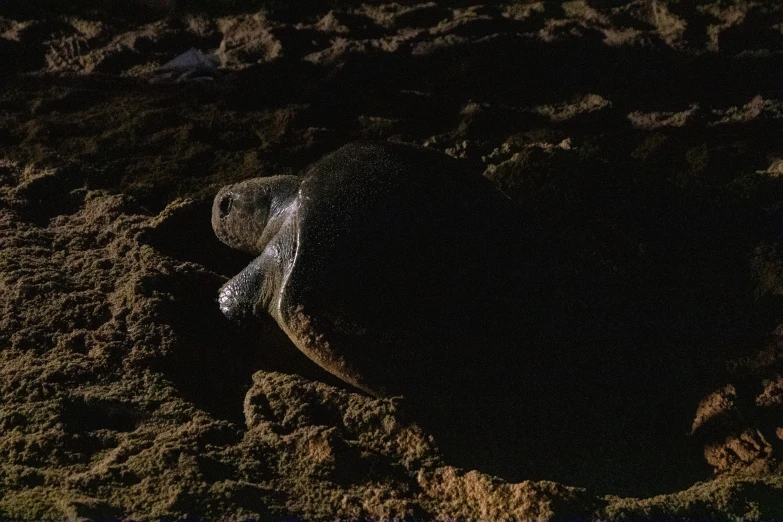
[{"x": 378, "y": 248}]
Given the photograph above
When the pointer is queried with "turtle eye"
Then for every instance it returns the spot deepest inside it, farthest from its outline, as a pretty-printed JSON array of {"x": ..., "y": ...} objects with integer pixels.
[{"x": 224, "y": 207}]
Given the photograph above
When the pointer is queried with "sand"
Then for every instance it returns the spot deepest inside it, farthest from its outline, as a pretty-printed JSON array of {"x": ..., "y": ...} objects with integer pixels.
[{"x": 641, "y": 137}]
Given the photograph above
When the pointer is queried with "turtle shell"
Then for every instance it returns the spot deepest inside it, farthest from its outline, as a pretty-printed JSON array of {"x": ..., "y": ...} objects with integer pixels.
[{"x": 400, "y": 254}]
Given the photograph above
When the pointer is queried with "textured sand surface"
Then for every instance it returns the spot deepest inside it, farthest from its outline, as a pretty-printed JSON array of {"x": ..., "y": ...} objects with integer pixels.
[{"x": 642, "y": 138}]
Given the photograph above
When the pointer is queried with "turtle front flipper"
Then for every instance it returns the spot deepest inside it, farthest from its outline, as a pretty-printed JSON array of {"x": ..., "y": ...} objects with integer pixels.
[{"x": 252, "y": 289}]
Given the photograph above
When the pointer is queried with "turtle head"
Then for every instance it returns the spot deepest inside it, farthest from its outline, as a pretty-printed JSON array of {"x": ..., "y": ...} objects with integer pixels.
[{"x": 247, "y": 215}]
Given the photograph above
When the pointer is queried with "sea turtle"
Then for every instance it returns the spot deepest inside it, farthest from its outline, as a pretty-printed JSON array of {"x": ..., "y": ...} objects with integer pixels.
[
  {"x": 372, "y": 261},
  {"x": 400, "y": 272}
]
